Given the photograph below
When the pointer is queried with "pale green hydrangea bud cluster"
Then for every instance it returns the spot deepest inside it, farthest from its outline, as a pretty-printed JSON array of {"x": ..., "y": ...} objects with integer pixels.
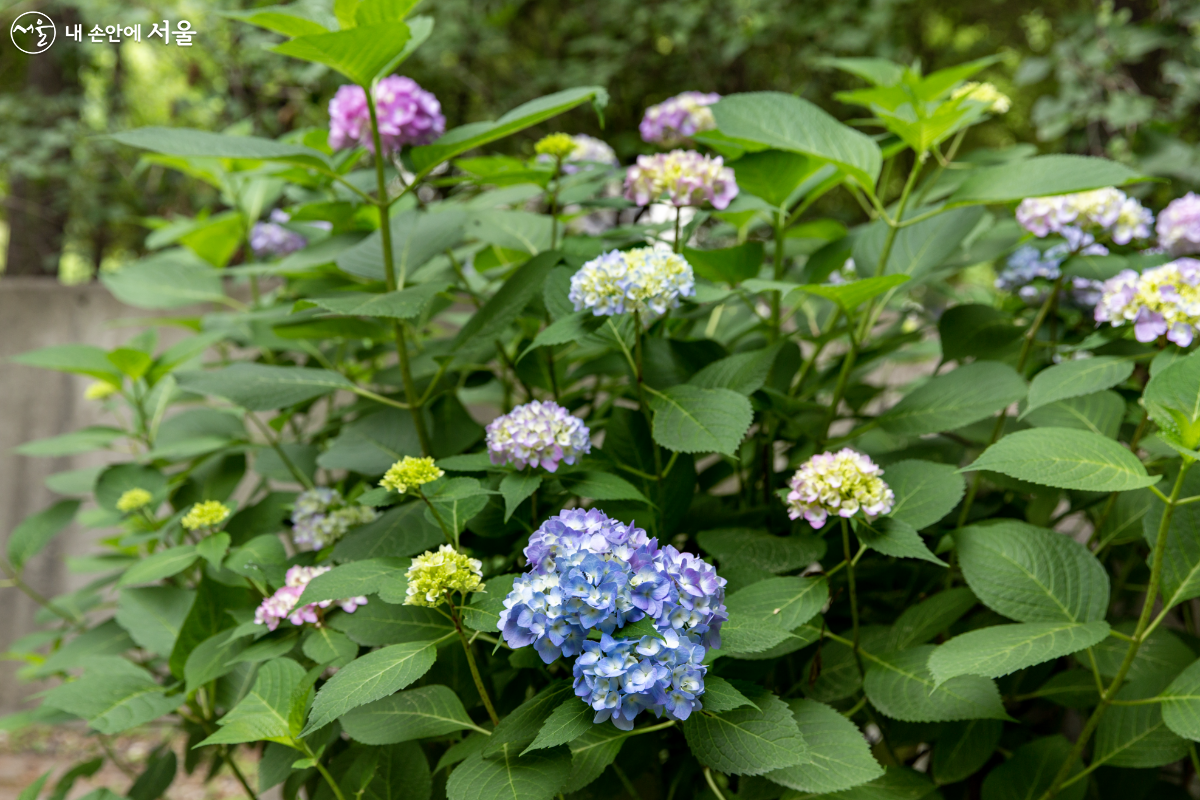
[
  {"x": 840, "y": 483},
  {"x": 433, "y": 575},
  {"x": 208, "y": 514},
  {"x": 410, "y": 473},
  {"x": 134, "y": 500}
]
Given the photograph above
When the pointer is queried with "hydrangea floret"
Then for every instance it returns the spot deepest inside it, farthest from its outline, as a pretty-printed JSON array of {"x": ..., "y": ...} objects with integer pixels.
[
  {"x": 841, "y": 483},
  {"x": 407, "y": 115},
  {"x": 208, "y": 514},
  {"x": 985, "y": 93},
  {"x": 539, "y": 434},
  {"x": 321, "y": 517},
  {"x": 100, "y": 390},
  {"x": 1028, "y": 264},
  {"x": 1178, "y": 225},
  {"x": 590, "y": 573},
  {"x": 1160, "y": 301},
  {"x": 410, "y": 473},
  {"x": 282, "y": 604},
  {"x": 133, "y": 500},
  {"x": 646, "y": 281},
  {"x": 1110, "y": 210},
  {"x": 435, "y": 574},
  {"x": 272, "y": 239},
  {"x": 678, "y": 118},
  {"x": 681, "y": 178}
]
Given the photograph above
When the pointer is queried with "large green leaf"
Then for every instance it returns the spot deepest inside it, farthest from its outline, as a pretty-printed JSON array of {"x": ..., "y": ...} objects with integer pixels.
[
  {"x": 160, "y": 565},
  {"x": 518, "y": 729},
  {"x": 507, "y": 303},
  {"x": 483, "y": 612},
  {"x": 375, "y": 675},
  {"x": 1137, "y": 735},
  {"x": 1031, "y": 770},
  {"x": 895, "y": 538},
  {"x": 744, "y": 373},
  {"x": 761, "y": 550},
  {"x": 84, "y": 440},
  {"x": 1181, "y": 703},
  {"x": 918, "y": 249},
  {"x": 404, "y": 304},
  {"x": 852, "y": 294},
  {"x": 362, "y": 54},
  {"x": 113, "y": 696},
  {"x": 35, "y": 531},
  {"x": 963, "y": 747},
  {"x": 288, "y": 20},
  {"x": 267, "y": 712},
  {"x": 572, "y": 719},
  {"x": 417, "y": 236},
  {"x": 747, "y": 741},
  {"x": 468, "y": 137},
  {"x": 591, "y": 754},
  {"x": 763, "y": 120},
  {"x": 731, "y": 264},
  {"x": 999, "y": 650},
  {"x": 1075, "y": 378},
  {"x": 1032, "y": 574},
  {"x": 925, "y": 491},
  {"x": 689, "y": 419},
  {"x": 1098, "y": 412},
  {"x": 965, "y": 395},
  {"x": 1172, "y": 398},
  {"x": 1181, "y": 559},
  {"x": 80, "y": 359},
  {"x": 921, "y": 622},
  {"x": 839, "y": 756},
  {"x": 1066, "y": 458},
  {"x": 535, "y": 776},
  {"x": 1040, "y": 176},
  {"x": 404, "y": 716},
  {"x": 172, "y": 279},
  {"x": 601, "y": 486},
  {"x": 353, "y": 579},
  {"x": 191, "y": 143},
  {"x": 379, "y": 623},
  {"x": 153, "y": 615},
  {"x": 900, "y": 686},
  {"x": 786, "y": 602},
  {"x": 262, "y": 387}
]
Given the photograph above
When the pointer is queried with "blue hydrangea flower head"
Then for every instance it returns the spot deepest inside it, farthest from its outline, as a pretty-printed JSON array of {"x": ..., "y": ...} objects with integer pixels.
[{"x": 590, "y": 576}]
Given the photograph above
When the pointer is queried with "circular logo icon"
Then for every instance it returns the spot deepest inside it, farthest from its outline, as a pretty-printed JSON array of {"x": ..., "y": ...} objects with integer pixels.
[{"x": 33, "y": 32}]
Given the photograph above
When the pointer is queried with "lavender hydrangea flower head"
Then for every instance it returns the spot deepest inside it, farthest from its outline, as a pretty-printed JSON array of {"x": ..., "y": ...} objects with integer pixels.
[
  {"x": 1028, "y": 264},
  {"x": 678, "y": 118},
  {"x": 1109, "y": 210},
  {"x": 407, "y": 115},
  {"x": 537, "y": 434},
  {"x": 645, "y": 280},
  {"x": 282, "y": 605},
  {"x": 1160, "y": 301},
  {"x": 321, "y": 517},
  {"x": 272, "y": 239},
  {"x": 590, "y": 572},
  {"x": 841, "y": 483},
  {"x": 681, "y": 178},
  {"x": 1179, "y": 225}
]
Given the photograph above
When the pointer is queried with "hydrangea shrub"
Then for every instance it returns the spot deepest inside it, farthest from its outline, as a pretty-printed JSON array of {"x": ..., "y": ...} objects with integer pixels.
[{"x": 561, "y": 475}]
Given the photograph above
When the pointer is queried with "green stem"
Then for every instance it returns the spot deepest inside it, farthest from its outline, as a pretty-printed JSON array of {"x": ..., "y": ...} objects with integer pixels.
[
  {"x": 483, "y": 693},
  {"x": 853, "y": 589},
  {"x": 237, "y": 773},
  {"x": 450, "y": 538},
  {"x": 1139, "y": 635},
  {"x": 678, "y": 242},
  {"x": 712, "y": 784},
  {"x": 777, "y": 296},
  {"x": 273, "y": 441},
  {"x": 641, "y": 390}
]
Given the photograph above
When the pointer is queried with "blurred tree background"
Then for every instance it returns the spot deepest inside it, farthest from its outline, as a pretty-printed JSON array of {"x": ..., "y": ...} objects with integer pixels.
[{"x": 1121, "y": 80}]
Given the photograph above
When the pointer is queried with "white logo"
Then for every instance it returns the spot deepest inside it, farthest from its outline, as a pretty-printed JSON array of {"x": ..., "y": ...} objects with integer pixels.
[{"x": 37, "y": 32}]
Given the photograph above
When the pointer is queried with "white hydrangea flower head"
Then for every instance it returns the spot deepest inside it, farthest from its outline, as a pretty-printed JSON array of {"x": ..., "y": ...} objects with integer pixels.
[
  {"x": 1107, "y": 209},
  {"x": 537, "y": 434},
  {"x": 1161, "y": 301},
  {"x": 841, "y": 483},
  {"x": 647, "y": 280}
]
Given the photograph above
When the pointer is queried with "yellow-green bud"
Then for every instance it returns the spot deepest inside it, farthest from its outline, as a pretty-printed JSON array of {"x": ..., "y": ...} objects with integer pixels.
[
  {"x": 434, "y": 575},
  {"x": 208, "y": 514},
  {"x": 133, "y": 499},
  {"x": 996, "y": 101},
  {"x": 558, "y": 145},
  {"x": 409, "y": 473},
  {"x": 100, "y": 390}
]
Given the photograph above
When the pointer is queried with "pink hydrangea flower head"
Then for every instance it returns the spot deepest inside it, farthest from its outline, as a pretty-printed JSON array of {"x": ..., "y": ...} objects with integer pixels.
[
  {"x": 681, "y": 178},
  {"x": 407, "y": 115},
  {"x": 282, "y": 605},
  {"x": 678, "y": 118},
  {"x": 1179, "y": 225}
]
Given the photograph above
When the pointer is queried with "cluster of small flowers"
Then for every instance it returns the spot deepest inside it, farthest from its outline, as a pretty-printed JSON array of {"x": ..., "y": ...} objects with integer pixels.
[
  {"x": 100, "y": 390},
  {"x": 272, "y": 239},
  {"x": 985, "y": 93},
  {"x": 1109, "y": 209},
  {"x": 1027, "y": 264},
  {"x": 578, "y": 152},
  {"x": 133, "y": 500},
  {"x": 434, "y": 575},
  {"x": 282, "y": 604},
  {"x": 678, "y": 118},
  {"x": 681, "y": 178},
  {"x": 537, "y": 434},
  {"x": 1179, "y": 225},
  {"x": 406, "y": 113},
  {"x": 589, "y": 572},
  {"x": 208, "y": 514},
  {"x": 410, "y": 473},
  {"x": 839, "y": 483},
  {"x": 320, "y": 517},
  {"x": 646, "y": 280},
  {"x": 1163, "y": 300}
]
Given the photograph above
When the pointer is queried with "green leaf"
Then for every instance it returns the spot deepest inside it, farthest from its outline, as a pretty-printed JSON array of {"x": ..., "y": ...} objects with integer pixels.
[
  {"x": 1040, "y": 176},
  {"x": 900, "y": 686},
  {"x": 324, "y": 645},
  {"x": 207, "y": 616},
  {"x": 1032, "y": 574},
  {"x": 601, "y": 486},
  {"x": 925, "y": 491},
  {"x": 1003, "y": 649},
  {"x": 213, "y": 549},
  {"x": 171, "y": 279},
  {"x": 113, "y": 696},
  {"x": 288, "y": 20},
  {"x": 212, "y": 658},
  {"x": 405, "y": 304},
  {"x": 1031, "y": 770},
  {"x": 1172, "y": 398},
  {"x": 962, "y": 748},
  {"x": 467, "y": 137},
  {"x": 744, "y": 373},
  {"x": 35, "y": 531},
  {"x": 1075, "y": 378},
  {"x": 571, "y": 328},
  {"x": 264, "y": 713},
  {"x": 80, "y": 359},
  {"x": 761, "y": 550},
  {"x": 921, "y": 622},
  {"x": 1181, "y": 557},
  {"x": 518, "y": 729},
  {"x": 536, "y": 776},
  {"x": 892, "y": 537},
  {"x": 786, "y": 602},
  {"x": 731, "y": 264},
  {"x": 509, "y": 230},
  {"x": 853, "y": 294},
  {"x": 417, "y": 236},
  {"x": 362, "y": 54},
  {"x": 1137, "y": 735},
  {"x": 191, "y": 143},
  {"x": 1065, "y": 458},
  {"x": 483, "y": 612},
  {"x": 839, "y": 756},
  {"x": 965, "y": 395},
  {"x": 591, "y": 754},
  {"x": 353, "y": 579},
  {"x": 688, "y": 419},
  {"x": 918, "y": 249},
  {"x": 747, "y": 741},
  {"x": 153, "y": 615},
  {"x": 32, "y": 791},
  {"x": 876, "y": 71},
  {"x": 1181, "y": 703},
  {"x": 1099, "y": 412},
  {"x": 84, "y": 440},
  {"x": 375, "y": 675},
  {"x": 507, "y": 303},
  {"x": 384, "y": 623},
  {"x": 786, "y": 122},
  {"x": 719, "y": 696},
  {"x": 975, "y": 330},
  {"x": 106, "y": 639},
  {"x": 1162, "y": 656},
  {"x": 408, "y": 715},
  {"x": 161, "y": 565},
  {"x": 516, "y": 488},
  {"x": 457, "y": 500},
  {"x": 568, "y": 722},
  {"x": 262, "y": 387}
]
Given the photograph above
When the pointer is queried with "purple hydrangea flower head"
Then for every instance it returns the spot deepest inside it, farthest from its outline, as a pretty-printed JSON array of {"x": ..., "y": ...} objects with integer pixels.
[
  {"x": 272, "y": 239},
  {"x": 681, "y": 178},
  {"x": 1179, "y": 225},
  {"x": 282, "y": 605},
  {"x": 841, "y": 483},
  {"x": 1160, "y": 301},
  {"x": 321, "y": 517},
  {"x": 645, "y": 280},
  {"x": 537, "y": 434},
  {"x": 407, "y": 115},
  {"x": 678, "y": 118},
  {"x": 588, "y": 572}
]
